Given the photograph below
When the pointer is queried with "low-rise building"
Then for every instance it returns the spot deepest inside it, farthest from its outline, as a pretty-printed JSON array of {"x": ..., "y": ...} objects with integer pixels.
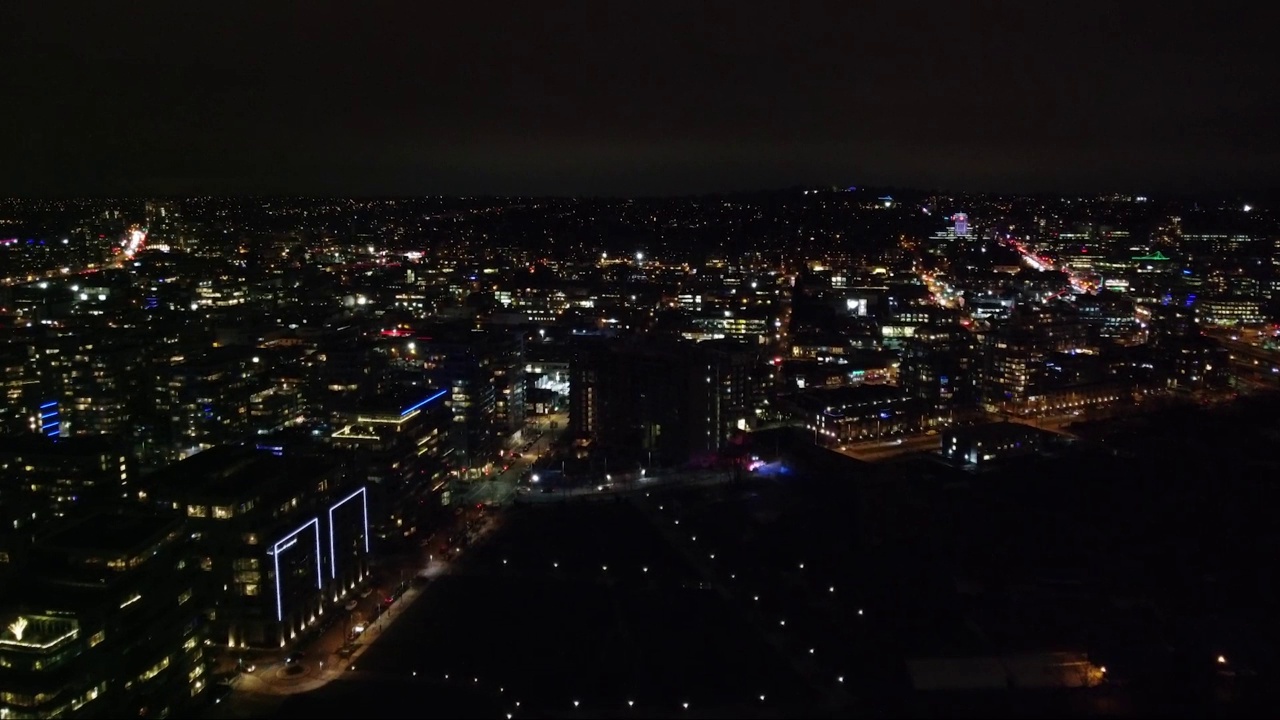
[{"x": 979, "y": 446}]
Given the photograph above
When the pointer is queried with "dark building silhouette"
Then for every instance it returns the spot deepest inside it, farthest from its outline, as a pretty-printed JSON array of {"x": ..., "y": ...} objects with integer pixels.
[
  {"x": 669, "y": 400},
  {"x": 106, "y": 623}
]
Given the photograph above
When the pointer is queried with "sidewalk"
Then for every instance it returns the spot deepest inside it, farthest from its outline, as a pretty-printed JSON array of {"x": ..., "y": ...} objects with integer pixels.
[{"x": 323, "y": 664}]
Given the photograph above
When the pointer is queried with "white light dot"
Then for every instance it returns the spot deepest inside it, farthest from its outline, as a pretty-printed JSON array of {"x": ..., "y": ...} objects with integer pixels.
[{"x": 575, "y": 703}]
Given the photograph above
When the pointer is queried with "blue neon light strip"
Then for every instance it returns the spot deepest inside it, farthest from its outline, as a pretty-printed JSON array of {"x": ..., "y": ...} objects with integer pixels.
[
  {"x": 49, "y": 405},
  {"x": 55, "y": 433},
  {"x": 46, "y": 426},
  {"x": 424, "y": 402},
  {"x": 46, "y": 416}
]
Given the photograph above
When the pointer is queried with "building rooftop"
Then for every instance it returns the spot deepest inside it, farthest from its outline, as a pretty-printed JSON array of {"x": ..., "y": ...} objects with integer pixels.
[
  {"x": 234, "y": 473},
  {"x": 843, "y": 397},
  {"x": 110, "y": 534},
  {"x": 995, "y": 430},
  {"x": 40, "y": 444}
]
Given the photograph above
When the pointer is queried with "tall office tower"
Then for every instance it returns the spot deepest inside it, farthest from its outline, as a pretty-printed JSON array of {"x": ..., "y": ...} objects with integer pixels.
[
  {"x": 670, "y": 399},
  {"x": 14, "y": 381},
  {"x": 207, "y": 400},
  {"x": 1014, "y": 355},
  {"x": 483, "y": 370},
  {"x": 95, "y": 388},
  {"x": 939, "y": 366},
  {"x": 397, "y": 445}
]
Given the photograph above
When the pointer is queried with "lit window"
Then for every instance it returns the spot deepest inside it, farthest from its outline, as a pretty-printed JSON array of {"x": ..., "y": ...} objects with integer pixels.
[{"x": 155, "y": 669}]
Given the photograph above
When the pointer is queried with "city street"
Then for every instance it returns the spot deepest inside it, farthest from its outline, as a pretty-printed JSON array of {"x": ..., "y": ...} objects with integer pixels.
[
  {"x": 499, "y": 489},
  {"x": 319, "y": 662},
  {"x": 879, "y": 450}
]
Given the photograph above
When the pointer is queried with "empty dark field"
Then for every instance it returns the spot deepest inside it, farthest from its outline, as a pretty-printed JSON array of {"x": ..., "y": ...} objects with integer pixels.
[{"x": 587, "y": 604}]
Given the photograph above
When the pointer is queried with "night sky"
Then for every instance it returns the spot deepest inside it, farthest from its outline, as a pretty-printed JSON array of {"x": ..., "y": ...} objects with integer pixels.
[{"x": 365, "y": 98}]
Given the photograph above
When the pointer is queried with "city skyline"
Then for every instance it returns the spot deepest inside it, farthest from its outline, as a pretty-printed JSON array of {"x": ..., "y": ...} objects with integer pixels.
[
  {"x": 599, "y": 359},
  {"x": 399, "y": 99}
]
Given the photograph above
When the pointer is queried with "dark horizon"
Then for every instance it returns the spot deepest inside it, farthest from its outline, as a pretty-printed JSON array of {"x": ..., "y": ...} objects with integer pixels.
[{"x": 620, "y": 100}]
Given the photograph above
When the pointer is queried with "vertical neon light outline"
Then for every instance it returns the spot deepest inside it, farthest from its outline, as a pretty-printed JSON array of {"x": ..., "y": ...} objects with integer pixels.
[
  {"x": 333, "y": 558},
  {"x": 275, "y": 555}
]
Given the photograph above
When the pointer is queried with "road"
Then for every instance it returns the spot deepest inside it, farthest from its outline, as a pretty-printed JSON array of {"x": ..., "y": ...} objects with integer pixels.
[
  {"x": 878, "y": 450},
  {"x": 881, "y": 450},
  {"x": 499, "y": 489},
  {"x": 690, "y": 478},
  {"x": 1257, "y": 367},
  {"x": 257, "y": 694}
]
